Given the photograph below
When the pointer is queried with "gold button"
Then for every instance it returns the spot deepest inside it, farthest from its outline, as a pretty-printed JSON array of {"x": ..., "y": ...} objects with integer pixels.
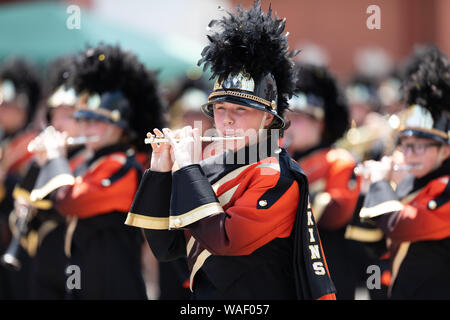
[
  {"x": 432, "y": 205},
  {"x": 262, "y": 203},
  {"x": 177, "y": 222},
  {"x": 273, "y": 105}
]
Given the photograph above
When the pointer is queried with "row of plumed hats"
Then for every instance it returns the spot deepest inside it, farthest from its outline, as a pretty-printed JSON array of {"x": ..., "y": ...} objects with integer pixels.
[{"x": 250, "y": 59}]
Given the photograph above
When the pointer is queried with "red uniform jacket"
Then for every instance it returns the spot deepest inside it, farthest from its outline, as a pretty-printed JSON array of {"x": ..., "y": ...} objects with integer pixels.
[
  {"x": 241, "y": 222},
  {"x": 416, "y": 221},
  {"x": 97, "y": 200},
  {"x": 333, "y": 187}
]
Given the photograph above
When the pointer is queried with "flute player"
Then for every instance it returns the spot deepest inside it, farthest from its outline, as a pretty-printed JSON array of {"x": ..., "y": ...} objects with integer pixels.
[
  {"x": 245, "y": 226},
  {"x": 415, "y": 216}
]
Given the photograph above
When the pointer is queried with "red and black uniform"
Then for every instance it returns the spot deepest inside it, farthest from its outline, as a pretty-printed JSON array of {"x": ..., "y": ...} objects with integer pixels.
[
  {"x": 44, "y": 240},
  {"x": 244, "y": 225},
  {"x": 15, "y": 160},
  {"x": 416, "y": 222},
  {"x": 334, "y": 192},
  {"x": 107, "y": 252}
]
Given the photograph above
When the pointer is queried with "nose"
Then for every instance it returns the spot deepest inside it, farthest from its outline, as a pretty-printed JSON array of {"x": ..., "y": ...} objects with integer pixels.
[
  {"x": 408, "y": 152},
  {"x": 228, "y": 118},
  {"x": 83, "y": 126}
]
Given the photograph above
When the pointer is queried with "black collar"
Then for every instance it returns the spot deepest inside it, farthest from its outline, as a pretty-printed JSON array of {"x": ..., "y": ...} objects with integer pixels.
[{"x": 108, "y": 150}]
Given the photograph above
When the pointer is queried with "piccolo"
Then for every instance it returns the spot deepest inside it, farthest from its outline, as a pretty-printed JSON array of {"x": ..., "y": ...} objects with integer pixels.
[
  {"x": 204, "y": 139},
  {"x": 70, "y": 141},
  {"x": 360, "y": 170}
]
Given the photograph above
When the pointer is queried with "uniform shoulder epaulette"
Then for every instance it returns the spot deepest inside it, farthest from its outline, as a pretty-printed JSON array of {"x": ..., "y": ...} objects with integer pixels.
[{"x": 128, "y": 162}]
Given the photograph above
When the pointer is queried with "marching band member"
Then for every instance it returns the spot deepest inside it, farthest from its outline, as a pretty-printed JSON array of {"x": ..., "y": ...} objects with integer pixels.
[
  {"x": 318, "y": 117},
  {"x": 242, "y": 217},
  {"x": 118, "y": 97},
  {"x": 20, "y": 91},
  {"x": 47, "y": 228},
  {"x": 414, "y": 216}
]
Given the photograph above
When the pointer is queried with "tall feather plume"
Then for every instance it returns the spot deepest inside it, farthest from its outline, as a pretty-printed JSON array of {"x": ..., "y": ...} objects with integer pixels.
[
  {"x": 109, "y": 68},
  {"x": 429, "y": 86},
  {"x": 253, "y": 41}
]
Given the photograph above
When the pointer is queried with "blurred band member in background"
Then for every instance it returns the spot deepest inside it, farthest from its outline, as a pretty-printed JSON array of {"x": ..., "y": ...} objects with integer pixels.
[
  {"x": 414, "y": 215},
  {"x": 20, "y": 92},
  {"x": 118, "y": 99},
  {"x": 319, "y": 116}
]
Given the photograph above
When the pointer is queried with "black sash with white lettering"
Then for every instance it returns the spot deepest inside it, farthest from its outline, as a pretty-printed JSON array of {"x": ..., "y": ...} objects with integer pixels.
[{"x": 312, "y": 278}]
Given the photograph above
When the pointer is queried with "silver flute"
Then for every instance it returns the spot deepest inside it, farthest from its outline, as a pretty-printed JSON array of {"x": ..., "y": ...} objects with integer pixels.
[
  {"x": 70, "y": 141},
  {"x": 204, "y": 139},
  {"x": 360, "y": 170}
]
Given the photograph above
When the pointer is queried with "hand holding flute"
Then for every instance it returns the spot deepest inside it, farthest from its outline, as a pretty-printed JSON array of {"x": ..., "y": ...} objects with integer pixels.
[
  {"x": 162, "y": 154},
  {"x": 49, "y": 144},
  {"x": 392, "y": 169},
  {"x": 183, "y": 146}
]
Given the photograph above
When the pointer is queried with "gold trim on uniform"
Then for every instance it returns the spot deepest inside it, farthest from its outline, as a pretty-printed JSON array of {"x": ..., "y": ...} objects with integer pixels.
[
  {"x": 30, "y": 242},
  {"x": 64, "y": 179},
  {"x": 363, "y": 234},
  {"x": 398, "y": 259},
  {"x": 146, "y": 222},
  {"x": 39, "y": 204},
  {"x": 227, "y": 195},
  {"x": 45, "y": 229},
  {"x": 2, "y": 192},
  {"x": 197, "y": 265},
  {"x": 382, "y": 208},
  {"x": 189, "y": 246},
  {"x": 264, "y": 102},
  {"x": 230, "y": 176},
  {"x": 194, "y": 215},
  {"x": 69, "y": 235}
]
